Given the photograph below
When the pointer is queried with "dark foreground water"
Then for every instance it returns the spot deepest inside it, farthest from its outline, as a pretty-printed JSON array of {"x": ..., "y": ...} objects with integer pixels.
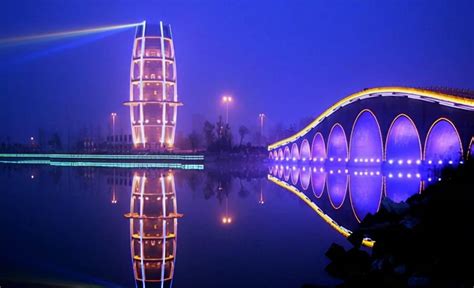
[
  {"x": 252, "y": 226},
  {"x": 64, "y": 225}
]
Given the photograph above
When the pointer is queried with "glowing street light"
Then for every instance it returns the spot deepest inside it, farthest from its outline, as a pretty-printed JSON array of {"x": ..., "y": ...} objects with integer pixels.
[{"x": 227, "y": 100}]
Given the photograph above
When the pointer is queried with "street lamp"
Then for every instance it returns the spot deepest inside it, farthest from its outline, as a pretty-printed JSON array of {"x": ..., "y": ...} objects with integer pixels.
[
  {"x": 261, "y": 116},
  {"x": 227, "y": 100},
  {"x": 113, "y": 115}
]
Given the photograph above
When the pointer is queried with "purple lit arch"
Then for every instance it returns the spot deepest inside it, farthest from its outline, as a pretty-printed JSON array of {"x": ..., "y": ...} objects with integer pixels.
[
  {"x": 366, "y": 138},
  {"x": 286, "y": 153},
  {"x": 305, "y": 151},
  {"x": 295, "y": 152},
  {"x": 337, "y": 143},
  {"x": 443, "y": 142},
  {"x": 280, "y": 154},
  {"x": 403, "y": 140},
  {"x": 318, "y": 147}
]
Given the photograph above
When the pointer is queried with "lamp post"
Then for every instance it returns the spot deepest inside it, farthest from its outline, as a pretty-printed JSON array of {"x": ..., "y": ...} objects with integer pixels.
[
  {"x": 113, "y": 115},
  {"x": 261, "y": 116},
  {"x": 226, "y": 100}
]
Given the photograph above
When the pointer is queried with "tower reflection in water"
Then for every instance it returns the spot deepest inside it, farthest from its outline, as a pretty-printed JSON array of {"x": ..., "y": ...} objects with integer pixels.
[{"x": 153, "y": 227}]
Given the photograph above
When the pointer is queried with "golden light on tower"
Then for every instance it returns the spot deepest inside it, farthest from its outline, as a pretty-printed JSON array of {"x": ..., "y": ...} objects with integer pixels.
[{"x": 153, "y": 88}]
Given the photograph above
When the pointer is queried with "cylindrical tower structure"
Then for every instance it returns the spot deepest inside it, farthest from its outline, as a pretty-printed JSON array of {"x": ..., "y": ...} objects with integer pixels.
[
  {"x": 153, "y": 89},
  {"x": 153, "y": 228}
]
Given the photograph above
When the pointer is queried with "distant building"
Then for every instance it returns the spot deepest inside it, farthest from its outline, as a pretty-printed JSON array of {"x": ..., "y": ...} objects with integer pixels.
[{"x": 153, "y": 91}]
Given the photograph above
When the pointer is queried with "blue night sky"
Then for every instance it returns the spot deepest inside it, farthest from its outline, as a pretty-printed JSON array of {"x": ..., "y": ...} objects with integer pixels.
[{"x": 287, "y": 59}]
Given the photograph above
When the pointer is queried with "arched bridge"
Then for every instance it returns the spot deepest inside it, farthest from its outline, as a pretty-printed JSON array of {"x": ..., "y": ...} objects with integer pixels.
[{"x": 396, "y": 125}]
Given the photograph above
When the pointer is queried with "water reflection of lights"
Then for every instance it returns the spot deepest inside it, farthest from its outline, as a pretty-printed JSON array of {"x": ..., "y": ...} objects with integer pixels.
[
  {"x": 226, "y": 219},
  {"x": 366, "y": 185},
  {"x": 344, "y": 231},
  {"x": 153, "y": 227}
]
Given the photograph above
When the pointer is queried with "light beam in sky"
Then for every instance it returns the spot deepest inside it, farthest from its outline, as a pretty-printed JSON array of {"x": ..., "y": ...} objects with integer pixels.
[{"x": 19, "y": 40}]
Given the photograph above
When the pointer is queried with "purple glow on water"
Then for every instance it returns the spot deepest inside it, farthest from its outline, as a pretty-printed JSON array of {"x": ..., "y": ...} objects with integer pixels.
[
  {"x": 443, "y": 142},
  {"x": 366, "y": 141},
  {"x": 403, "y": 140},
  {"x": 337, "y": 187},
  {"x": 280, "y": 172},
  {"x": 305, "y": 177},
  {"x": 286, "y": 174},
  {"x": 295, "y": 173},
  {"x": 305, "y": 150},
  {"x": 295, "y": 152},
  {"x": 400, "y": 189},
  {"x": 337, "y": 143},
  {"x": 317, "y": 183},
  {"x": 365, "y": 193},
  {"x": 318, "y": 147}
]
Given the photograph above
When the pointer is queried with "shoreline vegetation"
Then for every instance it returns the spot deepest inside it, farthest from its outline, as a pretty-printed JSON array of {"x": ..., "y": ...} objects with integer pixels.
[{"x": 425, "y": 241}]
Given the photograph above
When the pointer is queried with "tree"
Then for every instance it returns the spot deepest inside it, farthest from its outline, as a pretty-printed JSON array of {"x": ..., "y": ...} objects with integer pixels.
[
  {"x": 194, "y": 140},
  {"x": 209, "y": 133},
  {"x": 242, "y": 132}
]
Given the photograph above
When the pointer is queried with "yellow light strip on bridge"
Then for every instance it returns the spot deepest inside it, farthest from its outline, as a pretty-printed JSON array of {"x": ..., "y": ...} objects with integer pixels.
[
  {"x": 345, "y": 232},
  {"x": 436, "y": 96}
]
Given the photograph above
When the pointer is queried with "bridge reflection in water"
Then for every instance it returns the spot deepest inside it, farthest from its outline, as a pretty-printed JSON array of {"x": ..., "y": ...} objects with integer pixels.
[{"x": 153, "y": 227}]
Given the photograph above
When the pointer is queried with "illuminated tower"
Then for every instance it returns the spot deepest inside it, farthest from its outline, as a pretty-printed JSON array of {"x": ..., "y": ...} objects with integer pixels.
[
  {"x": 153, "y": 228},
  {"x": 153, "y": 90}
]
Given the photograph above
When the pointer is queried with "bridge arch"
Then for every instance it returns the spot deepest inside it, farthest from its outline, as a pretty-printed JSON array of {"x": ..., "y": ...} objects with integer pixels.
[
  {"x": 305, "y": 151},
  {"x": 280, "y": 154},
  {"x": 318, "y": 147},
  {"x": 443, "y": 142},
  {"x": 295, "y": 152},
  {"x": 337, "y": 143},
  {"x": 403, "y": 140},
  {"x": 286, "y": 153},
  {"x": 366, "y": 138}
]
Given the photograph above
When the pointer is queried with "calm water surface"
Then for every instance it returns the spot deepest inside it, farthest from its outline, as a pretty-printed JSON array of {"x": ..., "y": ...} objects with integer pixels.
[
  {"x": 83, "y": 226},
  {"x": 237, "y": 227}
]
